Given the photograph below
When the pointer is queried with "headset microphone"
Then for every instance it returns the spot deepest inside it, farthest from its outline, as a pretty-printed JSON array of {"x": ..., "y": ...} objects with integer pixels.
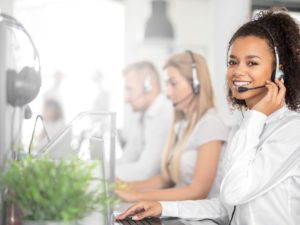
[
  {"x": 244, "y": 89},
  {"x": 182, "y": 100}
]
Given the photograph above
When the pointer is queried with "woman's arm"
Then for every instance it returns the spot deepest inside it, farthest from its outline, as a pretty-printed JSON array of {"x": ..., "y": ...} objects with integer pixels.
[
  {"x": 192, "y": 210},
  {"x": 257, "y": 163},
  {"x": 205, "y": 171},
  {"x": 261, "y": 155},
  {"x": 156, "y": 182}
]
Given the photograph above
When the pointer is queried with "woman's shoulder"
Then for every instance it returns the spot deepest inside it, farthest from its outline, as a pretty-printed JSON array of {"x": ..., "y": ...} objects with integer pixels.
[
  {"x": 211, "y": 116},
  {"x": 291, "y": 119},
  {"x": 211, "y": 124}
]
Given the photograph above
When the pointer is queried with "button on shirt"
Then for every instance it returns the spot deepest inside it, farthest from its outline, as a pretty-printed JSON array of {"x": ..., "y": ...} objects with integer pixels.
[
  {"x": 262, "y": 174},
  {"x": 142, "y": 154}
]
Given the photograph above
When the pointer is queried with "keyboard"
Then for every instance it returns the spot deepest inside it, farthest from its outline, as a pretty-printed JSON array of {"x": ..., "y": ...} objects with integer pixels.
[{"x": 152, "y": 221}]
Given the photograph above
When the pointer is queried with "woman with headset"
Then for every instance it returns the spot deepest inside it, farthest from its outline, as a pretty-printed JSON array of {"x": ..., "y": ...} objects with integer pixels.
[
  {"x": 190, "y": 159},
  {"x": 262, "y": 161}
]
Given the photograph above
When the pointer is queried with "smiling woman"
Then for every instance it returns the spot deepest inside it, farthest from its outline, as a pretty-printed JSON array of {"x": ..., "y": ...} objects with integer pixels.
[
  {"x": 256, "y": 53},
  {"x": 249, "y": 65}
]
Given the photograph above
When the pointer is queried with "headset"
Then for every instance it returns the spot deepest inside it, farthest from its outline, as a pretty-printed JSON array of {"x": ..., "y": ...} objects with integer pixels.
[
  {"x": 277, "y": 74},
  {"x": 195, "y": 81},
  {"x": 147, "y": 86},
  {"x": 23, "y": 86}
]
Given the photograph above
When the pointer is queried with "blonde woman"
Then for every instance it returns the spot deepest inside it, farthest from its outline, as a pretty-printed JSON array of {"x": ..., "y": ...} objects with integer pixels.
[{"x": 190, "y": 159}]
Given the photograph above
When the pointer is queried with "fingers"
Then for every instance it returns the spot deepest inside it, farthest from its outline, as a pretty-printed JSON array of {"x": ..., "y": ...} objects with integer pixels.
[
  {"x": 276, "y": 93},
  {"x": 272, "y": 92},
  {"x": 118, "y": 193},
  {"x": 269, "y": 94},
  {"x": 151, "y": 209},
  {"x": 121, "y": 194},
  {"x": 119, "y": 181},
  {"x": 142, "y": 210},
  {"x": 121, "y": 184},
  {"x": 281, "y": 93},
  {"x": 274, "y": 98},
  {"x": 136, "y": 208},
  {"x": 144, "y": 214}
]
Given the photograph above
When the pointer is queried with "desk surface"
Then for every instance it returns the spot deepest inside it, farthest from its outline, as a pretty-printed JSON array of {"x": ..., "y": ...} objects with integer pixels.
[
  {"x": 108, "y": 218},
  {"x": 102, "y": 219}
]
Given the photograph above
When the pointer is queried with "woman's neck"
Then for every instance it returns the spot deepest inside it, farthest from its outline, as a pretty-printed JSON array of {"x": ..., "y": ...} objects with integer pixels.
[{"x": 188, "y": 112}]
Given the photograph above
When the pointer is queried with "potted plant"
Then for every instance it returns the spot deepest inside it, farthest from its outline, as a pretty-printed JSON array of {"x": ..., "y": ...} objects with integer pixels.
[{"x": 48, "y": 192}]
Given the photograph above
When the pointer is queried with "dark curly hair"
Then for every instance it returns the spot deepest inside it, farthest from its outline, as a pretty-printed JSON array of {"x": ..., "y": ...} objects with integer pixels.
[{"x": 286, "y": 35}]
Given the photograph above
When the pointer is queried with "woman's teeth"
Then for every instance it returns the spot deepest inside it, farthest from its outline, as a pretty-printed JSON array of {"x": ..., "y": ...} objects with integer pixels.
[{"x": 241, "y": 83}]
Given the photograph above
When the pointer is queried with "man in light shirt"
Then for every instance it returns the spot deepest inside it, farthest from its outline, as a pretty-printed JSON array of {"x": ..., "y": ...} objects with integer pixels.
[{"x": 148, "y": 133}]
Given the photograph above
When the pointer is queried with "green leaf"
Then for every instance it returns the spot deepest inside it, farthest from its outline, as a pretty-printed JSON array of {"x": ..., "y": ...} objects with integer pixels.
[{"x": 55, "y": 190}]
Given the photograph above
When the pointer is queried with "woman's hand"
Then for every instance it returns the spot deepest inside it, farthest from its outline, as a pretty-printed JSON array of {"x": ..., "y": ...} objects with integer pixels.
[
  {"x": 273, "y": 100},
  {"x": 128, "y": 196},
  {"x": 124, "y": 186},
  {"x": 142, "y": 210}
]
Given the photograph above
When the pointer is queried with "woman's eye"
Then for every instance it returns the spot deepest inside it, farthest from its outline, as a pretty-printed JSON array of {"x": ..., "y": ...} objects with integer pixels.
[
  {"x": 231, "y": 62},
  {"x": 172, "y": 83},
  {"x": 252, "y": 63}
]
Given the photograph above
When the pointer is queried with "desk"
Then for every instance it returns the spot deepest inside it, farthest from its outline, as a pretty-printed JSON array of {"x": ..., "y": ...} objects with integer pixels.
[
  {"x": 168, "y": 222},
  {"x": 102, "y": 219}
]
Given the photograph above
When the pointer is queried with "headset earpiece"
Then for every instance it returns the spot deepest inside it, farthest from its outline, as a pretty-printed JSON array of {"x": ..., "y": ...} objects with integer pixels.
[
  {"x": 277, "y": 75},
  {"x": 22, "y": 87},
  {"x": 147, "y": 85},
  {"x": 195, "y": 81}
]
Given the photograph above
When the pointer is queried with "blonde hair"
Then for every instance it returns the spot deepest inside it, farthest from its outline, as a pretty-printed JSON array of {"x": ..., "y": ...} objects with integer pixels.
[{"x": 204, "y": 101}]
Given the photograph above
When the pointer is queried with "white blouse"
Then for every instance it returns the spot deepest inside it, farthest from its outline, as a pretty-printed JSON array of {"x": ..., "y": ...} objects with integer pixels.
[
  {"x": 262, "y": 167},
  {"x": 209, "y": 128}
]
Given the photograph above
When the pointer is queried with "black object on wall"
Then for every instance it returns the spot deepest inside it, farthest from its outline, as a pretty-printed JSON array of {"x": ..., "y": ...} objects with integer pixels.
[{"x": 158, "y": 25}]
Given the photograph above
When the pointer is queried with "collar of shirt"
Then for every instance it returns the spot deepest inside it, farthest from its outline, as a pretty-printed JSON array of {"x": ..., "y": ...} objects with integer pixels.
[
  {"x": 278, "y": 114},
  {"x": 155, "y": 107}
]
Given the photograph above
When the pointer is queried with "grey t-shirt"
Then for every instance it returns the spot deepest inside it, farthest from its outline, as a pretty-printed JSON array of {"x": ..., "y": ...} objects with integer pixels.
[{"x": 209, "y": 128}]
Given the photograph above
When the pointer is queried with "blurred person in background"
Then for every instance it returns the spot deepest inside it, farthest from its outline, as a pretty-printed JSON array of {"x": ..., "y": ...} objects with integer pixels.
[
  {"x": 53, "y": 117},
  {"x": 191, "y": 157},
  {"x": 142, "y": 150},
  {"x": 101, "y": 101},
  {"x": 55, "y": 91}
]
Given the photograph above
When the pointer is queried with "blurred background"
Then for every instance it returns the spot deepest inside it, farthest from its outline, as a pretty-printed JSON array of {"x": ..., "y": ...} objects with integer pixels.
[{"x": 85, "y": 44}]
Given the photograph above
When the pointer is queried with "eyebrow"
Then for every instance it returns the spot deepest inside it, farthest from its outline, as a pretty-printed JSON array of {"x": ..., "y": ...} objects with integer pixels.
[{"x": 248, "y": 56}]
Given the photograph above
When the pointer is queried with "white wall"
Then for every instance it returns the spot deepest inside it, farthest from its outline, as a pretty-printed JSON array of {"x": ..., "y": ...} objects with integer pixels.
[
  {"x": 228, "y": 16},
  {"x": 5, "y": 117},
  {"x": 6, "y": 5}
]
